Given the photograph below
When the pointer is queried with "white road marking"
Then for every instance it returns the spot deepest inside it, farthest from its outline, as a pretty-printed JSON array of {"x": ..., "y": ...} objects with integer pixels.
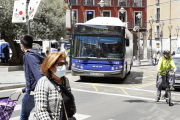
[
  {"x": 17, "y": 107},
  {"x": 145, "y": 85},
  {"x": 81, "y": 116},
  {"x": 15, "y": 118},
  {"x": 121, "y": 87}
]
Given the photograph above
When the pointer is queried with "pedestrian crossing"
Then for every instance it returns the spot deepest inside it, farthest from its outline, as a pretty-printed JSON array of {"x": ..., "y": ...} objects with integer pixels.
[{"x": 18, "y": 108}]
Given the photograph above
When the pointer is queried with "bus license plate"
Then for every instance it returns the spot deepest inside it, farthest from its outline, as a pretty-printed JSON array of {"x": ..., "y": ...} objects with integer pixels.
[
  {"x": 96, "y": 74},
  {"x": 177, "y": 81}
]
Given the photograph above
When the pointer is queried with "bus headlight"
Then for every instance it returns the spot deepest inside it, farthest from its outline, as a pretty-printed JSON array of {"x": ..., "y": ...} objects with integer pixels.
[
  {"x": 116, "y": 67},
  {"x": 73, "y": 64},
  {"x": 121, "y": 66},
  {"x": 81, "y": 67},
  {"x": 77, "y": 65},
  {"x": 112, "y": 68}
]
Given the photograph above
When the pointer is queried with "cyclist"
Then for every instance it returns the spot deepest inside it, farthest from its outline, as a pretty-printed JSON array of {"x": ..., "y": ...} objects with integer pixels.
[{"x": 165, "y": 63}]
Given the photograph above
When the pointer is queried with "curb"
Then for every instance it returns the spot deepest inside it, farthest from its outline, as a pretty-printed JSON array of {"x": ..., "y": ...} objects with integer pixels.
[
  {"x": 142, "y": 65},
  {"x": 11, "y": 68},
  {"x": 13, "y": 86}
]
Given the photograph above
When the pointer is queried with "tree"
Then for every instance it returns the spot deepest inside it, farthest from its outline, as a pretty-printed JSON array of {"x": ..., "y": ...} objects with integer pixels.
[{"x": 48, "y": 23}]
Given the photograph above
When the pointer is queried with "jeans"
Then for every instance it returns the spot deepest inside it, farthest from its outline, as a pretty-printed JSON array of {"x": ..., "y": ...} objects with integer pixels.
[{"x": 27, "y": 106}]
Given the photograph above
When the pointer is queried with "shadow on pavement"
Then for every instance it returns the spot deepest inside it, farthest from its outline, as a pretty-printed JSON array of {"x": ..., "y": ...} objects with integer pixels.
[
  {"x": 133, "y": 78},
  {"x": 135, "y": 101}
]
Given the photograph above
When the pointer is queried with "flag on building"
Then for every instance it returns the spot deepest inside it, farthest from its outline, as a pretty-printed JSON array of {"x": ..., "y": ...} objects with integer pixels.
[
  {"x": 32, "y": 8},
  {"x": 19, "y": 11},
  {"x": 68, "y": 19}
]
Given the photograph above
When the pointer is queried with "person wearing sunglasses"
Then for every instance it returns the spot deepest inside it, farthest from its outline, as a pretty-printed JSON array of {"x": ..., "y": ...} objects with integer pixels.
[{"x": 51, "y": 88}]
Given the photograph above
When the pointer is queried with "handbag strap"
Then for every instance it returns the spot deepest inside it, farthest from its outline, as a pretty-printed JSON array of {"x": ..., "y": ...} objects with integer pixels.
[{"x": 61, "y": 97}]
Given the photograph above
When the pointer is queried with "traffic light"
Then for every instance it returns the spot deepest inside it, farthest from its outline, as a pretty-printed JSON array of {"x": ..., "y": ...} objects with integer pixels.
[{"x": 1, "y": 14}]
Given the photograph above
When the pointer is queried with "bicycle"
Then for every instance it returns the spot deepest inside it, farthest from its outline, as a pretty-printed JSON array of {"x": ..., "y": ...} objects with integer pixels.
[{"x": 167, "y": 94}]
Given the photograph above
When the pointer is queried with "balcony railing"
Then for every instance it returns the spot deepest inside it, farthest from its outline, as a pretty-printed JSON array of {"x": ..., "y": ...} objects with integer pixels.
[
  {"x": 157, "y": 17},
  {"x": 131, "y": 24},
  {"x": 157, "y": 35},
  {"x": 74, "y": 2},
  {"x": 157, "y": 2},
  {"x": 109, "y": 3},
  {"x": 139, "y": 4},
  {"x": 125, "y": 3},
  {"x": 90, "y": 2}
]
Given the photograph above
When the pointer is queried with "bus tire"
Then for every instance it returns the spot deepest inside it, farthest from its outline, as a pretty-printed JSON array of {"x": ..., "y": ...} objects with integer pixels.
[{"x": 82, "y": 77}]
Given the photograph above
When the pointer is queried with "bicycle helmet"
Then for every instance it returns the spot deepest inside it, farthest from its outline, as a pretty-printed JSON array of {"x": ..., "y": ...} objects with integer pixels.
[{"x": 166, "y": 51}]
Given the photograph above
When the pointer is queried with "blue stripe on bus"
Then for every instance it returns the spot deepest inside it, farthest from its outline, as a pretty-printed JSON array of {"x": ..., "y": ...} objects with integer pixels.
[{"x": 97, "y": 65}]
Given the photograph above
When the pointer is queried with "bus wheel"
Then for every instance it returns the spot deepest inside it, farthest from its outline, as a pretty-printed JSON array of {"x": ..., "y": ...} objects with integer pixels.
[{"x": 82, "y": 77}]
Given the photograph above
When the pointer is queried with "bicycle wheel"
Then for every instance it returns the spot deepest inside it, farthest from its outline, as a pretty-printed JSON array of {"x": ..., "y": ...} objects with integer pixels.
[{"x": 169, "y": 97}]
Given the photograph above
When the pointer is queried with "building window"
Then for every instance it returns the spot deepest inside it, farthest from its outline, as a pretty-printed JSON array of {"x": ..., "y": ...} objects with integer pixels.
[
  {"x": 90, "y": 15},
  {"x": 75, "y": 15},
  {"x": 122, "y": 17},
  {"x": 137, "y": 22},
  {"x": 106, "y": 14},
  {"x": 122, "y": 2},
  {"x": 157, "y": 2},
  {"x": 73, "y": 2},
  {"x": 137, "y": 3},
  {"x": 108, "y": 2},
  {"x": 89, "y": 2},
  {"x": 157, "y": 14},
  {"x": 157, "y": 33}
]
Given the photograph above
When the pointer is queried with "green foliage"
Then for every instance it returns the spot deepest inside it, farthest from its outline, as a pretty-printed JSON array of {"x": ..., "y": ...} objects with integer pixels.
[{"x": 48, "y": 23}]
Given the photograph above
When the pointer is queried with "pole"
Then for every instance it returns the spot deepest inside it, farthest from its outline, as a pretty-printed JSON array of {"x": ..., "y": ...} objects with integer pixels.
[
  {"x": 138, "y": 58},
  {"x": 170, "y": 29},
  {"x": 28, "y": 22},
  {"x": 151, "y": 47},
  {"x": 161, "y": 40},
  {"x": 70, "y": 38}
]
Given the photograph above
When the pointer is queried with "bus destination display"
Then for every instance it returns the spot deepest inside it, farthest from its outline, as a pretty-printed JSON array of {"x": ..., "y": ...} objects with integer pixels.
[{"x": 99, "y": 29}]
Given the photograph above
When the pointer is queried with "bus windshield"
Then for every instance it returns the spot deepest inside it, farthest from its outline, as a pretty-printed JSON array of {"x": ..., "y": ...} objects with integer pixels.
[{"x": 98, "y": 47}]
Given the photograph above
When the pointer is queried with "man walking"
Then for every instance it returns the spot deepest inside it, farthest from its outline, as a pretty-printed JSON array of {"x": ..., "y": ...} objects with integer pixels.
[
  {"x": 6, "y": 53},
  {"x": 32, "y": 60}
]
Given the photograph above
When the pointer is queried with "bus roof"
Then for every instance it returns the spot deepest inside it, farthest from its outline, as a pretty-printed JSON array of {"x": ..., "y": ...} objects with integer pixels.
[{"x": 112, "y": 21}]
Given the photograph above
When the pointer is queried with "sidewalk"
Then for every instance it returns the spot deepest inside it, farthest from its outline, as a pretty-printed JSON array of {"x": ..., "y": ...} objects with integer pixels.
[
  {"x": 15, "y": 79},
  {"x": 143, "y": 63}
]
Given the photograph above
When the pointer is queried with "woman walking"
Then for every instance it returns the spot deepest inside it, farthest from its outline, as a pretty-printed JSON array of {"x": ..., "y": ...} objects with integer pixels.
[{"x": 53, "y": 97}]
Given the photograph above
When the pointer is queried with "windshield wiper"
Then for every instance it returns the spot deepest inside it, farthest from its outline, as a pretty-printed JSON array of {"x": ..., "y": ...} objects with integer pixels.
[{"x": 105, "y": 54}]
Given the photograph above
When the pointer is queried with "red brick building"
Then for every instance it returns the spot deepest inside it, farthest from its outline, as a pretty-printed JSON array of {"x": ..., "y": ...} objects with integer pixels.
[{"x": 87, "y": 9}]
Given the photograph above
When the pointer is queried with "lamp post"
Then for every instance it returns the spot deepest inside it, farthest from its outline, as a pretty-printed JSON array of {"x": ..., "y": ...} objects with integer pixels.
[
  {"x": 101, "y": 5},
  {"x": 177, "y": 30},
  {"x": 161, "y": 24},
  {"x": 70, "y": 37},
  {"x": 170, "y": 27},
  {"x": 139, "y": 16},
  {"x": 151, "y": 22}
]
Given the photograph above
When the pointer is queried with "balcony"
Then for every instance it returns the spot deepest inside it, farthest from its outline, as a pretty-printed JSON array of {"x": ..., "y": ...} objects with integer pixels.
[
  {"x": 157, "y": 17},
  {"x": 109, "y": 3},
  {"x": 131, "y": 25},
  {"x": 157, "y": 35},
  {"x": 90, "y": 2},
  {"x": 74, "y": 2},
  {"x": 125, "y": 3},
  {"x": 139, "y": 4},
  {"x": 157, "y": 2}
]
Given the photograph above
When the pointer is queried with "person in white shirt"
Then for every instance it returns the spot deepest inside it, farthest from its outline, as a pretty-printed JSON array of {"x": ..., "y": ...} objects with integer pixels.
[
  {"x": 154, "y": 57},
  {"x": 158, "y": 56}
]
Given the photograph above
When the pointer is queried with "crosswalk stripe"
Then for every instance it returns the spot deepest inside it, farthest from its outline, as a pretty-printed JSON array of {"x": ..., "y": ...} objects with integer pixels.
[
  {"x": 15, "y": 118},
  {"x": 81, "y": 116}
]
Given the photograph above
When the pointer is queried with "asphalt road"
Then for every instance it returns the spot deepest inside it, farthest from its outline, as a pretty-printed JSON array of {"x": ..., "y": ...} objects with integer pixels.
[{"x": 115, "y": 99}]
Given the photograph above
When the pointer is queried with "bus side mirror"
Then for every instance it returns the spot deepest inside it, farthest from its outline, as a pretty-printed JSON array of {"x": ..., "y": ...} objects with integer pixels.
[{"x": 127, "y": 42}]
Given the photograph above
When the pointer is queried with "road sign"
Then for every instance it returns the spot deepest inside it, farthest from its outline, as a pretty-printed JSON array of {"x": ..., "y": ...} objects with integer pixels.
[
  {"x": 68, "y": 19},
  {"x": 32, "y": 8},
  {"x": 19, "y": 12}
]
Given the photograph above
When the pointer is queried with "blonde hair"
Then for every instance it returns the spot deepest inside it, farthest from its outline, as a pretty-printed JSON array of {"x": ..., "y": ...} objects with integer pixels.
[{"x": 50, "y": 61}]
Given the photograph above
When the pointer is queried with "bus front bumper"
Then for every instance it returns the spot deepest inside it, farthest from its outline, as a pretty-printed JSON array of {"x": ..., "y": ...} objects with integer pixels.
[{"x": 92, "y": 73}]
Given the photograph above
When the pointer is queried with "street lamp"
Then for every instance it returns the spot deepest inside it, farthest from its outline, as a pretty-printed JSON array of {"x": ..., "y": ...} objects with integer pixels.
[
  {"x": 101, "y": 6},
  {"x": 161, "y": 24},
  {"x": 122, "y": 10},
  {"x": 151, "y": 22},
  {"x": 170, "y": 27},
  {"x": 139, "y": 16}
]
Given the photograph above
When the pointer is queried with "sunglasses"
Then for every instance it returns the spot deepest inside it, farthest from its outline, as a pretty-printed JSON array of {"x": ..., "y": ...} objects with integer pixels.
[{"x": 62, "y": 63}]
